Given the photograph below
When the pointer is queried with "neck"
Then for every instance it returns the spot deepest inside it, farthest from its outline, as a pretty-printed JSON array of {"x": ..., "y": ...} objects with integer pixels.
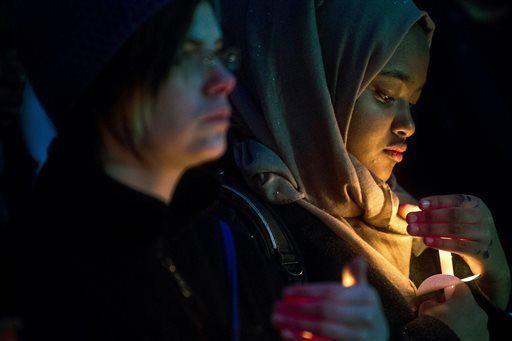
[
  {"x": 158, "y": 184},
  {"x": 149, "y": 178}
]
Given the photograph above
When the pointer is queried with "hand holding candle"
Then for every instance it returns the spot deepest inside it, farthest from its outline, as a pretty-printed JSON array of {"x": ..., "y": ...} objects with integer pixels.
[
  {"x": 461, "y": 313},
  {"x": 330, "y": 311},
  {"x": 463, "y": 224}
]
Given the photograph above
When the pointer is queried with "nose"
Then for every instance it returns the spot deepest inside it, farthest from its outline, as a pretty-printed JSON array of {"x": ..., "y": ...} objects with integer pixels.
[
  {"x": 220, "y": 82},
  {"x": 403, "y": 124}
]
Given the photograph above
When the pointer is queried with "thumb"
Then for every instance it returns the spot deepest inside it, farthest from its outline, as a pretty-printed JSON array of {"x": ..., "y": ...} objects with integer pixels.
[
  {"x": 405, "y": 209},
  {"x": 461, "y": 290},
  {"x": 427, "y": 305},
  {"x": 355, "y": 272}
]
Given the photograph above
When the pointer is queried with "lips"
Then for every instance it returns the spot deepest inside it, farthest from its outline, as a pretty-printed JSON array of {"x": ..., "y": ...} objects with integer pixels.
[
  {"x": 218, "y": 116},
  {"x": 396, "y": 151}
]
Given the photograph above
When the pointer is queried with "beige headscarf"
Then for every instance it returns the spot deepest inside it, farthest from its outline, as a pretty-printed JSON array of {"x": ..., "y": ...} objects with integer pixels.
[{"x": 305, "y": 65}]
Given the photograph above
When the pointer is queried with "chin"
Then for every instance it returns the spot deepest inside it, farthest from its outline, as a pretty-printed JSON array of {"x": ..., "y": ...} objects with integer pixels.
[
  {"x": 383, "y": 174},
  {"x": 214, "y": 154},
  {"x": 209, "y": 150},
  {"x": 386, "y": 176}
]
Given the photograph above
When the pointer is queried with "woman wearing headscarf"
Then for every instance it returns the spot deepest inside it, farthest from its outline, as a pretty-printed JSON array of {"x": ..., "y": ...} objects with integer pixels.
[
  {"x": 323, "y": 108},
  {"x": 138, "y": 95}
]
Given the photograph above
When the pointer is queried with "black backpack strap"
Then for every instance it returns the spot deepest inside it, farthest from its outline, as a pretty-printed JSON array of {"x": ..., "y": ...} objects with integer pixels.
[{"x": 272, "y": 232}]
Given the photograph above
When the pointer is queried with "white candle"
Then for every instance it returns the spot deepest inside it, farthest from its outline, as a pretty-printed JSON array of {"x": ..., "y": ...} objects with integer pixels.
[{"x": 445, "y": 258}]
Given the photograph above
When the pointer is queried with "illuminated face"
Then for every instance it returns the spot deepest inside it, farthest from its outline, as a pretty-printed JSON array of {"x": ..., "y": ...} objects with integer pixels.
[
  {"x": 192, "y": 112},
  {"x": 382, "y": 122}
]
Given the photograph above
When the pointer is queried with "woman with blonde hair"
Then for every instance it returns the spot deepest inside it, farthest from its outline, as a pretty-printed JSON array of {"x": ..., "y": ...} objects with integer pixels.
[{"x": 137, "y": 91}]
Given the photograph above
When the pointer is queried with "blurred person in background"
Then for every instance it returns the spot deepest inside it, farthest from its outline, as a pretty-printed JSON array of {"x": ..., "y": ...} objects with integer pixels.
[{"x": 137, "y": 92}]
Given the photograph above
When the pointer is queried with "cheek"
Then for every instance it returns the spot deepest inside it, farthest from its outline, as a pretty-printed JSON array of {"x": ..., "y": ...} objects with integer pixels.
[
  {"x": 369, "y": 132},
  {"x": 178, "y": 106},
  {"x": 177, "y": 132},
  {"x": 369, "y": 128}
]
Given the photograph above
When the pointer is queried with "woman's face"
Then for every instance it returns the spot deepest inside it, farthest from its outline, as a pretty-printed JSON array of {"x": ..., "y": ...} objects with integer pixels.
[
  {"x": 382, "y": 122},
  {"x": 192, "y": 112}
]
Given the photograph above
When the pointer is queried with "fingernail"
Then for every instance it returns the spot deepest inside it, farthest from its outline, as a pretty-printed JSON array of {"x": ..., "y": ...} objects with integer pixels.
[
  {"x": 412, "y": 218},
  {"x": 429, "y": 241},
  {"x": 424, "y": 204},
  {"x": 299, "y": 300},
  {"x": 413, "y": 228}
]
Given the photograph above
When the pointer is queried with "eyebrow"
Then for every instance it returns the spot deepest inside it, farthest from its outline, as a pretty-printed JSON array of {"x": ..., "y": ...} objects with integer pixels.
[
  {"x": 396, "y": 74},
  {"x": 199, "y": 44},
  {"x": 399, "y": 75}
]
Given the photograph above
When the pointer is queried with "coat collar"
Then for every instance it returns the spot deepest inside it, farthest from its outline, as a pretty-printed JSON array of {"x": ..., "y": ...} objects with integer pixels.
[{"x": 73, "y": 181}]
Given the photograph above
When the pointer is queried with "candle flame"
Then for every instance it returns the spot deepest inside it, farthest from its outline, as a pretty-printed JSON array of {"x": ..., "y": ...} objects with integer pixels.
[
  {"x": 347, "y": 278},
  {"x": 307, "y": 335}
]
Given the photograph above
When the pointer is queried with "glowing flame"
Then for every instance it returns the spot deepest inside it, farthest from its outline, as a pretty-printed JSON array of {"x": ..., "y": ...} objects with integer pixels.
[
  {"x": 347, "y": 278},
  {"x": 307, "y": 335}
]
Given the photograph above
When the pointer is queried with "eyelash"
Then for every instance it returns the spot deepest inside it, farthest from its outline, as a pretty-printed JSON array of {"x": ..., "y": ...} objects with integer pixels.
[
  {"x": 385, "y": 99},
  {"x": 388, "y": 100}
]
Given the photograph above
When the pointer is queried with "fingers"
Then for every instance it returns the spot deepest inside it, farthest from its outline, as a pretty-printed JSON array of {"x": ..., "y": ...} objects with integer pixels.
[
  {"x": 405, "y": 209},
  {"x": 297, "y": 334},
  {"x": 462, "y": 247},
  {"x": 453, "y": 200},
  {"x": 461, "y": 289},
  {"x": 358, "y": 294},
  {"x": 457, "y": 223},
  {"x": 326, "y": 329},
  {"x": 331, "y": 310},
  {"x": 446, "y": 215},
  {"x": 448, "y": 230},
  {"x": 426, "y": 306},
  {"x": 357, "y": 316},
  {"x": 461, "y": 292}
]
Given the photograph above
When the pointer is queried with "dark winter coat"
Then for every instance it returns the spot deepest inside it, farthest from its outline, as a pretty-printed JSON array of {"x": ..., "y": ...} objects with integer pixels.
[{"x": 97, "y": 260}]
